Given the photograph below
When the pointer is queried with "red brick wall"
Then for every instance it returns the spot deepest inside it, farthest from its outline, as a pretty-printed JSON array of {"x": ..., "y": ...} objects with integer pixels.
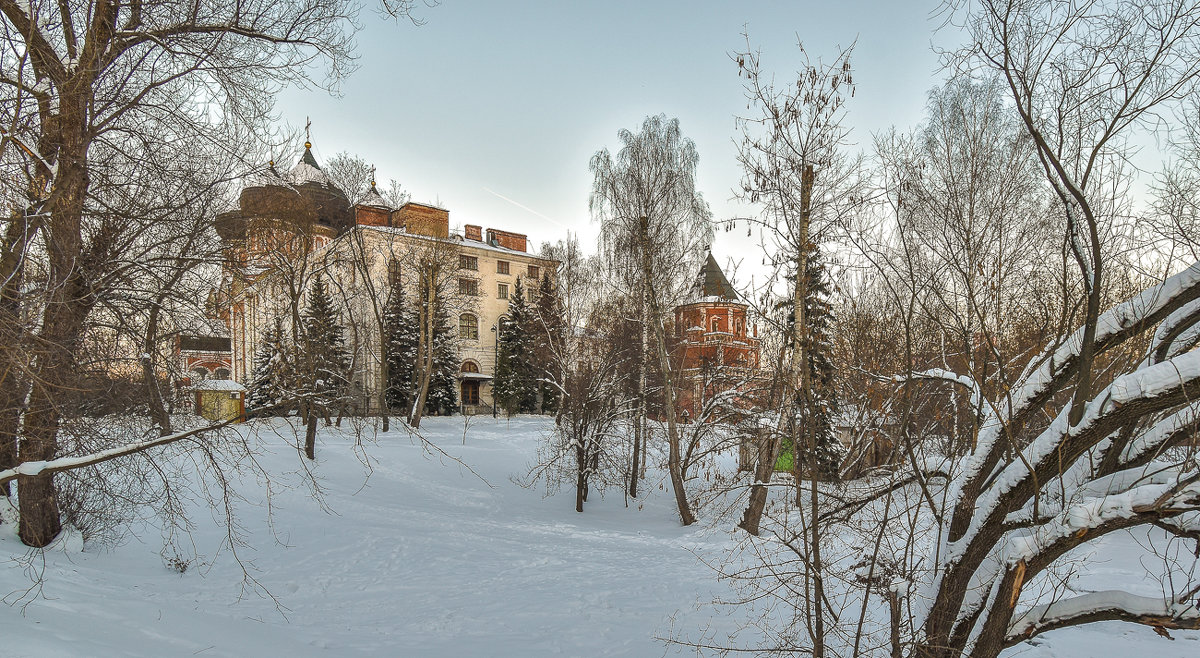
[
  {"x": 514, "y": 241},
  {"x": 473, "y": 232},
  {"x": 420, "y": 219},
  {"x": 368, "y": 216}
]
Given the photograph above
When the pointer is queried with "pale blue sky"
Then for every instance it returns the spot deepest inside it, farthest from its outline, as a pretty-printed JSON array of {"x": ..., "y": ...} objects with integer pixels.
[{"x": 493, "y": 109}]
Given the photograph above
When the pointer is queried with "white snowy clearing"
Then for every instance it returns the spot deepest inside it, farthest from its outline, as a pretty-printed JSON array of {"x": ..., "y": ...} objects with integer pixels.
[{"x": 421, "y": 558}]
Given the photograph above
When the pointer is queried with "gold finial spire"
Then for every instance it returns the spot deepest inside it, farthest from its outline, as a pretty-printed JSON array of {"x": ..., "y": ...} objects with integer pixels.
[
  {"x": 372, "y": 177},
  {"x": 307, "y": 132}
]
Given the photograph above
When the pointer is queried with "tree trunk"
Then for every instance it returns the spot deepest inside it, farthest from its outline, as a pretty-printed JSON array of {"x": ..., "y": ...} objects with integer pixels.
[
  {"x": 768, "y": 454},
  {"x": 53, "y": 356},
  {"x": 581, "y": 467},
  {"x": 12, "y": 336},
  {"x": 674, "y": 458},
  {"x": 310, "y": 433},
  {"x": 639, "y": 442},
  {"x": 425, "y": 348},
  {"x": 154, "y": 400},
  {"x": 66, "y": 307}
]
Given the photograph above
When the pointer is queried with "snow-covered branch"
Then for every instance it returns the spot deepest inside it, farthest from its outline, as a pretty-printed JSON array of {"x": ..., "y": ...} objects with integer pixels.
[
  {"x": 1109, "y": 605},
  {"x": 939, "y": 374},
  {"x": 46, "y": 467}
]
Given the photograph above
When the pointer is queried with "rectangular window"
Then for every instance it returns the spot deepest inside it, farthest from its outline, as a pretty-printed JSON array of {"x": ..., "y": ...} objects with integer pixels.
[
  {"x": 534, "y": 272},
  {"x": 468, "y": 327},
  {"x": 502, "y": 291},
  {"x": 501, "y": 267},
  {"x": 468, "y": 287},
  {"x": 468, "y": 263}
]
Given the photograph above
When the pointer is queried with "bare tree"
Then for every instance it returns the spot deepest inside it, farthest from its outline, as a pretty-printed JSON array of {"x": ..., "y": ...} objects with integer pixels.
[
  {"x": 1083, "y": 78},
  {"x": 654, "y": 221},
  {"x": 92, "y": 83}
]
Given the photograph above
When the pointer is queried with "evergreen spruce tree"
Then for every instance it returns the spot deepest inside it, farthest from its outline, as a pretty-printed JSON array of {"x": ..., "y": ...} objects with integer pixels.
[
  {"x": 269, "y": 379},
  {"x": 819, "y": 416},
  {"x": 442, "y": 399},
  {"x": 818, "y": 314},
  {"x": 326, "y": 344},
  {"x": 549, "y": 326},
  {"x": 400, "y": 333},
  {"x": 514, "y": 386}
]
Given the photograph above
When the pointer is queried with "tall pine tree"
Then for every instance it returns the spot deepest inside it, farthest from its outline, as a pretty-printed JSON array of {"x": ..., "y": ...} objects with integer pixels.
[
  {"x": 549, "y": 326},
  {"x": 325, "y": 342},
  {"x": 400, "y": 329},
  {"x": 442, "y": 399},
  {"x": 515, "y": 383},
  {"x": 818, "y": 415}
]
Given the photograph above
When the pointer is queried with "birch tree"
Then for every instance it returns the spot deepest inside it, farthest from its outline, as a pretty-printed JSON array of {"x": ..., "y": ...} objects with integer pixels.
[{"x": 655, "y": 225}]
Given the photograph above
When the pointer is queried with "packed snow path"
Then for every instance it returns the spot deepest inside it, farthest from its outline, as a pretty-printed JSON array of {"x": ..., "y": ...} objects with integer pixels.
[{"x": 421, "y": 558}]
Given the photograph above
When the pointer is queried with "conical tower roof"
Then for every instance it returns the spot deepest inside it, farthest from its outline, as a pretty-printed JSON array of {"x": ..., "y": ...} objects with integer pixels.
[
  {"x": 711, "y": 282},
  {"x": 374, "y": 199}
]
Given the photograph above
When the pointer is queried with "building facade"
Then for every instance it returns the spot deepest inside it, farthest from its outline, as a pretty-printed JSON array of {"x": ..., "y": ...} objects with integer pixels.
[{"x": 290, "y": 229}]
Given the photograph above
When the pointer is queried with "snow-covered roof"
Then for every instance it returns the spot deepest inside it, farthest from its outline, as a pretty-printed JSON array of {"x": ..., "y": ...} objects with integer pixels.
[
  {"x": 218, "y": 385},
  {"x": 268, "y": 177},
  {"x": 308, "y": 171},
  {"x": 305, "y": 173},
  {"x": 474, "y": 244},
  {"x": 373, "y": 199}
]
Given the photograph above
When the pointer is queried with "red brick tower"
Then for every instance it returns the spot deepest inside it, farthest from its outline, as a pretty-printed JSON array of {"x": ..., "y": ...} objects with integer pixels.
[{"x": 717, "y": 351}]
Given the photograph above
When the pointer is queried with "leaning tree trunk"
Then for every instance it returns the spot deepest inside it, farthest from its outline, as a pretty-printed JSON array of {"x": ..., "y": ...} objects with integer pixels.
[
  {"x": 674, "y": 458},
  {"x": 752, "y": 517},
  {"x": 768, "y": 445}
]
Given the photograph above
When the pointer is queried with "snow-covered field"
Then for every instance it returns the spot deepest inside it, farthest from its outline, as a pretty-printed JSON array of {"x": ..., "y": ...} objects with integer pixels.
[{"x": 421, "y": 558}]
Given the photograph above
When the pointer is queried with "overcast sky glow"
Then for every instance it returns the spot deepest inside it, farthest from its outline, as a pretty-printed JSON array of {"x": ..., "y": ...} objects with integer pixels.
[{"x": 493, "y": 109}]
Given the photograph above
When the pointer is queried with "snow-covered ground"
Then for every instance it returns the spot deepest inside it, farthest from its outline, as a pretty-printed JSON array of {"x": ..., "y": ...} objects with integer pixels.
[{"x": 421, "y": 558}]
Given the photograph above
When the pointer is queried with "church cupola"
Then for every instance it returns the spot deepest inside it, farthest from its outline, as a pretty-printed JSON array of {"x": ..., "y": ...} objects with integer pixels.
[{"x": 373, "y": 210}]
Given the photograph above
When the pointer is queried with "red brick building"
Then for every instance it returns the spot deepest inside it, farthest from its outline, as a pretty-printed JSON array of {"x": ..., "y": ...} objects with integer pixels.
[{"x": 717, "y": 349}]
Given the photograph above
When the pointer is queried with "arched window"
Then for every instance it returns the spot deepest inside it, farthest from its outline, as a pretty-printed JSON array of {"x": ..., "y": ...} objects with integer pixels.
[
  {"x": 714, "y": 324},
  {"x": 199, "y": 373},
  {"x": 221, "y": 373},
  {"x": 470, "y": 366},
  {"x": 468, "y": 326}
]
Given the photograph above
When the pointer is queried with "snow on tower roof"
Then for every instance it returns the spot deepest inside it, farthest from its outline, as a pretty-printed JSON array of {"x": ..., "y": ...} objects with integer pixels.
[
  {"x": 308, "y": 171},
  {"x": 269, "y": 176},
  {"x": 374, "y": 199}
]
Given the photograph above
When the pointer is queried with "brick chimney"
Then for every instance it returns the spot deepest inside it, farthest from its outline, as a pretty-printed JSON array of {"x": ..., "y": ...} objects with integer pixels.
[
  {"x": 473, "y": 232},
  {"x": 514, "y": 241}
]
